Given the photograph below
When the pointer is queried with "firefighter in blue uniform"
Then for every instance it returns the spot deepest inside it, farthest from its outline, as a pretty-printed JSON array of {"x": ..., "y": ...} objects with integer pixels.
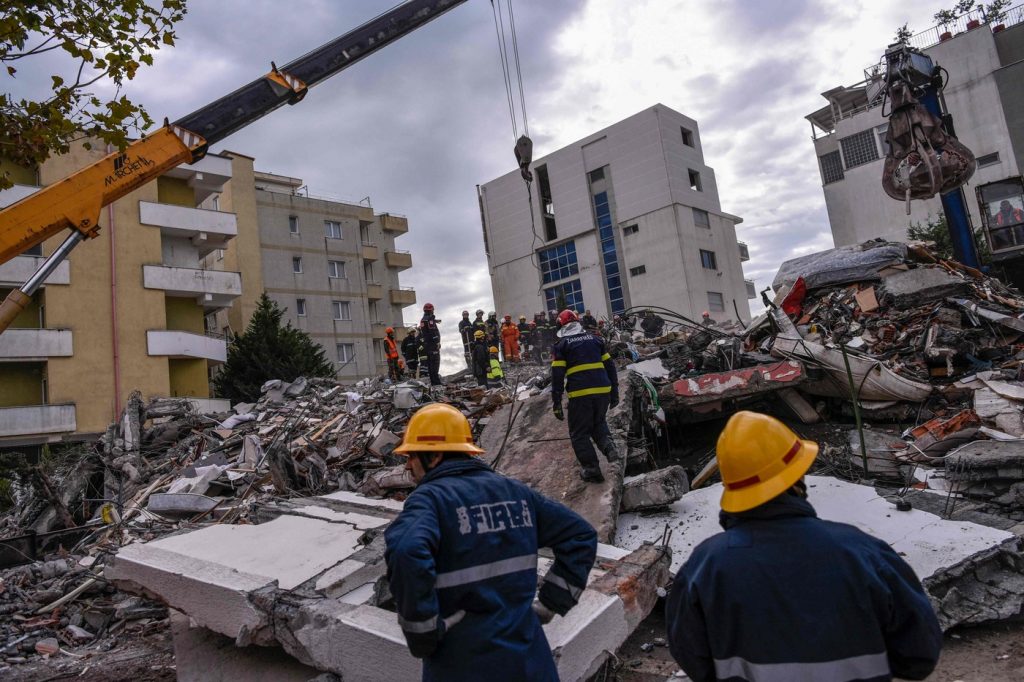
[
  {"x": 462, "y": 559},
  {"x": 581, "y": 365},
  {"x": 784, "y": 595}
]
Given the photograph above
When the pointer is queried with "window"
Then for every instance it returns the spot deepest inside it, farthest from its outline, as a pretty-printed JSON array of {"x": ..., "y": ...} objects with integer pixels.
[
  {"x": 609, "y": 254},
  {"x": 346, "y": 352},
  {"x": 701, "y": 218},
  {"x": 751, "y": 289},
  {"x": 300, "y": 307},
  {"x": 695, "y": 181},
  {"x": 687, "y": 136},
  {"x": 332, "y": 229},
  {"x": 708, "y": 260},
  {"x": 988, "y": 160},
  {"x": 215, "y": 202},
  {"x": 596, "y": 175},
  {"x": 220, "y": 254},
  {"x": 296, "y": 264},
  {"x": 716, "y": 303},
  {"x": 1002, "y": 212},
  {"x": 546, "y": 204},
  {"x": 336, "y": 269},
  {"x": 882, "y": 132},
  {"x": 565, "y": 295},
  {"x": 364, "y": 234},
  {"x": 630, "y": 229},
  {"x": 744, "y": 251},
  {"x": 341, "y": 310},
  {"x": 831, "y": 167},
  {"x": 638, "y": 270},
  {"x": 293, "y": 224},
  {"x": 859, "y": 149},
  {"x": 558, "y": 262}
]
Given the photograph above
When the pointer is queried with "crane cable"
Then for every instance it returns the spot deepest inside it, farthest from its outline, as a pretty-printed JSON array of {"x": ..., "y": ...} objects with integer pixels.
[{"x": 523, "y": 144}]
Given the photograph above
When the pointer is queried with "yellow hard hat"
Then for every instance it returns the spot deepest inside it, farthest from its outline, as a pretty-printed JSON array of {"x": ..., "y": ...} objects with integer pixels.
[
  {"x": 438, "y": 427},
  {"x": 479, "y": 334},
  {"x": 493, "y": 349},
  {"x": 759, "y": 458}
]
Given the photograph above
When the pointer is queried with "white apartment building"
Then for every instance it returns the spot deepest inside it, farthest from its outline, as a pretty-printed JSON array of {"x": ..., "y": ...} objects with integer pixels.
[
  {"x": 628, "y": 216},
  {"x": 985, "y": 66}
]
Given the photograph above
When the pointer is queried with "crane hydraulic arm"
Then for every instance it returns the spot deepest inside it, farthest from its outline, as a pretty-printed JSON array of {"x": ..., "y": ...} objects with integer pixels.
[{"x": 75, "y": 202}]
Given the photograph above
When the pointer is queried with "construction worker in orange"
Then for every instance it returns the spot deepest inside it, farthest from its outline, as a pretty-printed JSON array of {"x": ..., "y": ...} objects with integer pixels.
[
  {"x": 391, "y": 353},
  {"x": 510, "y": 339}
]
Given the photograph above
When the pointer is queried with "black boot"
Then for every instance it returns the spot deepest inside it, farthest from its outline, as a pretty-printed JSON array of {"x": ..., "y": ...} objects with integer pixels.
[{"x": 592, "y": 475}]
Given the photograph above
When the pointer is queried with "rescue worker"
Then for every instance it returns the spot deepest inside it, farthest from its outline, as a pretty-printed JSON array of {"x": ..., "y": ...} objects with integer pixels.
[
  {"x": 493, "y": 329},
  {"x": 495, "y": 374},
  {"x": 524, "y": 338},
  {"x": 652, "y": 325},
  {"x": 588, "y": 321},
  {"x": 480, "y": 357},
  {"x": 540, "y": 321},
  {"x": 510, "y": 339},
  {"x": 391, "y": 353},
  {"x": 464, "y": 548},
  {"x": 479, "y": 324},
  {"x": 582, "y": 367},
  {"x": 552, "y": 327},
  {"x": 466, "y": 332},
  {"x": 410, "y": 352},
  {"x": 430, "y": 337},
  {"x": 782, "y": 594},
  {"x": 706, "y": 320},
  {"x": 1008, "y": 215}
]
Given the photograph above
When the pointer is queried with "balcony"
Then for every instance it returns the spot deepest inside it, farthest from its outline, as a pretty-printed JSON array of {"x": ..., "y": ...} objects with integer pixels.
[
  {"x": 400, "y": 260},
  {"x": 370, "y": 252},
  {"x": 37, "y": 419},
  {"x": 208, "y": 230},
  {"x": 751, "y": 288},
  {"x": 186, "y": 345},
  {"x": 389, "y": 222},
  {"x": 212, "y": 289},
  {"x": 207, "y": 176},
  {"x": 35, "y": 344},
  {"x": 16, "y": 193},
  {"x": 744, "y": 252},
  {"x": 403, "y": 297},
  {"x": 16, "y": 271},
  {"x": 210, "y": 405},
  {"x": 374, "y": 292}
]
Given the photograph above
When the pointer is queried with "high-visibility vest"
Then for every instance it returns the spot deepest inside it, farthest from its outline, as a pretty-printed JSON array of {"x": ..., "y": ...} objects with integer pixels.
[
  {"x": 495, "y": 371},
  {"x": 390, "y": 348}
]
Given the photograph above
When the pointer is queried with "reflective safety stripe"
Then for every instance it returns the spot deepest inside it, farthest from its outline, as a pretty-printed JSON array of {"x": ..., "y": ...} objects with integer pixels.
[
  {"x": 418, "y": 627},
  {"x": 559, "y": 581},
  {"x": 605, "y": 357},
  {"x": 558, "y": 363},
  {"x": 584, "y": 368},
  {"x": 841, "y": 670},
  {"x": 473, "y": 574},
  {"x": 589, "y": 391}
]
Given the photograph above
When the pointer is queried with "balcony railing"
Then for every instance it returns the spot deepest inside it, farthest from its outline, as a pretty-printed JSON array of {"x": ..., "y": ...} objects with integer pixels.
[
  {"x": 400, "y": 260},
  {"x": 211, "y": 288},
  {"x": 374, "y": 291},
  {"x": 35, "y": 344},
  {"x": 370, "y": 252},
  {"x": 186, "y": 345},
  {"x": 16, "y": 193},
  {"x": 393, "y": 222},
  {"x": 30, "y": 420},
  {"x": 16, "y": 271},
  {"x": 403, "y": 296},
  {"x": 208, "y": 230}
]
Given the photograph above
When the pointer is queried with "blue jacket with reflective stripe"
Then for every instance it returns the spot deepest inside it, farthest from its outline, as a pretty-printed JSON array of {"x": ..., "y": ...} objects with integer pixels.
[
  {"x": 580, "y": 363},
  {"x": 467, "y": 539},
  {"x": 783, "y": 595}
]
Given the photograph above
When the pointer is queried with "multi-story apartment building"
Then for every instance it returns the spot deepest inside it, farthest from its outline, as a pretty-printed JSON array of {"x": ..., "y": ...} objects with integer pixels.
[
  {"x": 984, "y": 63},
  {"x": 126, "y": 310},
  {"x": 332, "y": 265},
  {"x": 627, "y": 216}
]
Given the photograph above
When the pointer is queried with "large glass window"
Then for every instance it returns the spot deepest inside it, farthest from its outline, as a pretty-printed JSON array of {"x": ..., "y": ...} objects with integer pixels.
[
  {"x": 566, "y": 295},
  {"x": 332, "y": 229},
  {"x": 609, "y": 256},
  {"x": 341, "y": 310},
  {"x": 558, "y": 262},
  {"x": 1002, "y": 210},
  {"x": 708, "y": 260},
  {"x": 716, "y": 302},
  {"x": 336, "y": 269},
  {"x": 859, "y": 149},
  {"x": 831, "y": 168},
  {"x": 346, "y": 352}
]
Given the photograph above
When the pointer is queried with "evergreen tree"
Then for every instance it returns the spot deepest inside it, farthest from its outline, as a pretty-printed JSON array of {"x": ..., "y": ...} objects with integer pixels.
[{"x": 267, "y": 350}]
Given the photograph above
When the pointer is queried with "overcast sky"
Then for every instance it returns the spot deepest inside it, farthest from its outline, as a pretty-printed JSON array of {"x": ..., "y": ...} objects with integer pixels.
[{"x": 418, "y": 125}]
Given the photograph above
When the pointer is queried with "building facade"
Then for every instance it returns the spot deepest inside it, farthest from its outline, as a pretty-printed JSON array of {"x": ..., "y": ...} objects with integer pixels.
[
  {"x": 332, "y": 265},
  {"x": 985, "y": 67},
  {"x": 628, "y": 216},
  {"x": 126, "y": 310}
]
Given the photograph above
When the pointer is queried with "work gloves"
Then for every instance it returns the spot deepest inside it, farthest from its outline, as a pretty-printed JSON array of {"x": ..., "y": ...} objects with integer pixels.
[
  {"x": 614, "y": 401},
  {"x": 425, "y": 644},
  {"x": 557, "y": 410}
]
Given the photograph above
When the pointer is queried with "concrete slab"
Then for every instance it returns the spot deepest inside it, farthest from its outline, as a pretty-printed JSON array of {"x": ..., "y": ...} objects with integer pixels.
[{"x": 927, "y": 542}]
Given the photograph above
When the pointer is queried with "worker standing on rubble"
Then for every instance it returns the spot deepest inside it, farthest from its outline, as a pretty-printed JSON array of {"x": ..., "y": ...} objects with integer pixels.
[
  {"x": 588, "y": 321},
  {"x": 782, "y": 594},
  {"x": 430, "y": 337},
  {"x": 466, "y": 332},
  {"x": 552, "y": 327},
  {"x": 582, "y": 367},
  {"x": 510, "y": 339},
  {"x": 493, "y": 329},
  {"x": 652, "y": 325},
  {"x": 410, "y": 350},
  {"x": 462, "y": 559},
  {"x": 524, "y": 338},
  {"x": 391, "y": 353},
  {"x": 495, "y": 374},
  {"x": 479, "y": 324},
  {"x": 480, "y": 357},
  {"x": 707, "y": 320},
  {"x": 540, "y": 322}
]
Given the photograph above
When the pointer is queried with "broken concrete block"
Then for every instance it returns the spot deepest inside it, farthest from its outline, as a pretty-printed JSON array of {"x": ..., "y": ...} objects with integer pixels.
[
  {"x": 384, "y": 444},
  {"x": 919, "y": 286},
  {"x": 654, "y": 489},
  {"x": 389, "y": 478},
  {"x": 180, "y": 504}
]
